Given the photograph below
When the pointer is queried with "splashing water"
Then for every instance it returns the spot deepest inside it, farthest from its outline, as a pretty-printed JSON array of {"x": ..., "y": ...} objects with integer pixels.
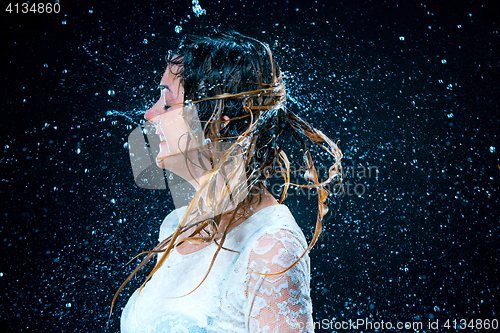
[
  {"x": 197, "y": 8},
  {"x": 415, "y": 99},
  {"x": 131, "y": 115}
]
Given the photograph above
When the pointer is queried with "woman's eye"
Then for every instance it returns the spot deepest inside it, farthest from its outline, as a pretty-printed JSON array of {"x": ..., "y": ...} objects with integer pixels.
[{"x": 163, "y": 90}]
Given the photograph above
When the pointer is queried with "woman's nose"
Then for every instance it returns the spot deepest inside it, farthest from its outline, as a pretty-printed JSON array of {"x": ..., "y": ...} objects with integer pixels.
[{"x": 155, "y": 111}]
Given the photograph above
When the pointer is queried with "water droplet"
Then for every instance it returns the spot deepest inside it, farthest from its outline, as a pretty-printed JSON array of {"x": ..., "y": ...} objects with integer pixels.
[
  {"x": 197, "y": 8},
  {"x": 178, "y": 29},
  {"x": 111, "y": 93},
  {"x": 492, "y": 149}
]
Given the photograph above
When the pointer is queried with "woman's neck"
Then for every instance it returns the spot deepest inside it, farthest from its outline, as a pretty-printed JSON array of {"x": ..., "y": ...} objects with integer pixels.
[{"x": 266, "y": 200}]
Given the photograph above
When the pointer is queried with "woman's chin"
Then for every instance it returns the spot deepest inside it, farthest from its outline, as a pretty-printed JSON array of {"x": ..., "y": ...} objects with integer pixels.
[
  {"x": 164, "y": 157},
  {"x": 171, "y": 162},
  {"x": 162, "y": 161},
  {"x": 159, "y": 163}
]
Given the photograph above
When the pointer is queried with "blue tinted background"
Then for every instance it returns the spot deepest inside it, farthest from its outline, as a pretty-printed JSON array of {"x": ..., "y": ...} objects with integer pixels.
[{"x": 408, "y": 87}]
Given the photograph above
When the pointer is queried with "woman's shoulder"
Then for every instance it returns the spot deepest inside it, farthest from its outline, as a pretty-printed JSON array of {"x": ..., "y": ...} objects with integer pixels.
[
  {"x": 273, "y": 221},
  {"x": 171, "y": 222},
  {"x": 270, "y": 241},
  {"x": 273, "y": 217}
]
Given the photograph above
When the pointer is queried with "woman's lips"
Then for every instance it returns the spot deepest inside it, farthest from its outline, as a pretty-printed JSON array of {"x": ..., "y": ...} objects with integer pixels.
[{"x": 161, "y": 135}]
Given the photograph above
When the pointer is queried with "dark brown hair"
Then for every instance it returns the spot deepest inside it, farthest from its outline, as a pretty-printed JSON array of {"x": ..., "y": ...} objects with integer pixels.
[{"x": 236, "y": 76}]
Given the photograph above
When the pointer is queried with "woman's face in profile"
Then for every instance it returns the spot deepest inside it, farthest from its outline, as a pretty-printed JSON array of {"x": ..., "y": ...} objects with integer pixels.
[{"x": 166, "y": 114}]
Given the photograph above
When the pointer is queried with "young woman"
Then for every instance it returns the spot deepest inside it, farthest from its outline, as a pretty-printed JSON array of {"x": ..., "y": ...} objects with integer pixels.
[{"x": 233, "y": 259}]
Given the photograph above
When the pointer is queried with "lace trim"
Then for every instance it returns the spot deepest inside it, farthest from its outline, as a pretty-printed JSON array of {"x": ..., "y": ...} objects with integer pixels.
[{"x": 279, "y": 303}]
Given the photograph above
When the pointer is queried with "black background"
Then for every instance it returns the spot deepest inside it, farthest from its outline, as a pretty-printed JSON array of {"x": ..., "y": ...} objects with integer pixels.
[{"x": 409, "y": 87}]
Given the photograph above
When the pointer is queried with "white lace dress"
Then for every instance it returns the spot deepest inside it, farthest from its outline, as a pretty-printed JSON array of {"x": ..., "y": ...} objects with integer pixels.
[{"x": 232, "y": 298}]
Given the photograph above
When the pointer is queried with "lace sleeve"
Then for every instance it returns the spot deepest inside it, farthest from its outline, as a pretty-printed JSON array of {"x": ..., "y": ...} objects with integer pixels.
[{"x": 279, "y": 303}]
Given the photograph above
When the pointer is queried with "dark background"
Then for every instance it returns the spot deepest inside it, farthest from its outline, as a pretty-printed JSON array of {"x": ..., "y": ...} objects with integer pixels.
[{"x": 408, "y": 87}]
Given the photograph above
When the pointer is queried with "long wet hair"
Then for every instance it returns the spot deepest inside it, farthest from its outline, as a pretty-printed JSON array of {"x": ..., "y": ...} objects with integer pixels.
[{"x": 231, "y": 76}]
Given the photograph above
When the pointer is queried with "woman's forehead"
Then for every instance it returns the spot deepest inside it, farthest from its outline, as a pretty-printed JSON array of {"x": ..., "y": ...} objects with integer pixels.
[{"x": 170, "y": 74}]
